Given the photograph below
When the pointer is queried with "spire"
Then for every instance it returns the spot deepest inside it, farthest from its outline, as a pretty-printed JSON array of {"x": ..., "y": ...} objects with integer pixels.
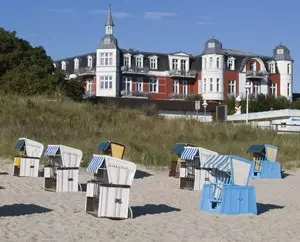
[{"x": 109, "y": 20}]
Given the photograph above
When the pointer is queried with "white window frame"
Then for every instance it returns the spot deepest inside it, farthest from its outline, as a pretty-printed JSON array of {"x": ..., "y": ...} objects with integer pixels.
[
  {"x": 153, "y": 62},
  {"x": 211, "y": 84},
  {"x": 90, "y": 61},
  {"x": 232, "y": 87},
  {"x": 174, "y": 64},
  {"x": 256, "y": 87},
  {"x": 106, "y": 82},
  {"x": 218, "y": 85},
  {"x": 153, "y": 85},
  {"x": 272, "y": 67},
  {"x": 185, "y": 88},
  {"x": 253, "y": 65},
  {"x": 106, "y": 59},
  {"x": 273, "y": 89},
  {"x": 183, "y": 64},
  {"x": 63, "y": 65},
  {"x": 289, "y": 68},
  {"x": 127, "y": 82},
  {"x": 211, "y": 62},
  {"x": 218, "y": 62},
  {"x": 204, "y": 85},
  {"x": 139, "y": 85},
  {"x": 176, "y": 87},
  {"x": 139, "y": 63},
  {"x": 288, "y": 89},
  {"x": 231, "y": 63},
  {"x": 205, "y": 63},
  {"x": 127, "y": 57}
]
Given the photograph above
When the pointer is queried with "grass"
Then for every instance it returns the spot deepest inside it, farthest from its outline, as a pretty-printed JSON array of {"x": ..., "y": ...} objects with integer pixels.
[{"x": 148, "y": 139}]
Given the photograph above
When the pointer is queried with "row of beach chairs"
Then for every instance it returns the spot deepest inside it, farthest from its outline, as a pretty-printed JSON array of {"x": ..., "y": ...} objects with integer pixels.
[
  {"x": 223, "y": 180},
  {"x": 107, "y": 194}
]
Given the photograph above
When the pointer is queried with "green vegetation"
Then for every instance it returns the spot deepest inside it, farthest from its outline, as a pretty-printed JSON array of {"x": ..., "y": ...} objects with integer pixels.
[{"x": 148, "y": 139}]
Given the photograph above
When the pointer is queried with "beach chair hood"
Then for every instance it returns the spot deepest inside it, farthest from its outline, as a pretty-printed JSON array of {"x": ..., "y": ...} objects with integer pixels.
[{"x": 32, "y": 148}]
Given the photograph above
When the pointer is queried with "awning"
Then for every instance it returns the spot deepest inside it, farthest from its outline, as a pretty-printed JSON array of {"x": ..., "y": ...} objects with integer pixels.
[
  {"x": 20, "y": 143},
  {"x": 189, "y": 153},
  {"x": 51, "y": 150},
  {"x": 95, "y": 163},
  {"x": 103, "y": 145},
  {"x": 220, "y": 162},
  {"x": 256, "y": 149}
]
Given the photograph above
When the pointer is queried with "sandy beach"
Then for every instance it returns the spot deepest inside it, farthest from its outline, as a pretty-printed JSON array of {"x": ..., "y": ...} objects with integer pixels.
[{"x": 162, "y": 212}]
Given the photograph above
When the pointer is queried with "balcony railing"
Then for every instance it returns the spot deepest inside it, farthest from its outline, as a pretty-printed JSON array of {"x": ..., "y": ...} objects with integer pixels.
[
  {"x": 135, "y": 70},
  {"x": 85, "y": 71},
  {"x": 182, "y": 73},
  {"x": 256, "y": 74},
  {"x": 177, "y": 96},
  {"x": 127, "y": 93}
]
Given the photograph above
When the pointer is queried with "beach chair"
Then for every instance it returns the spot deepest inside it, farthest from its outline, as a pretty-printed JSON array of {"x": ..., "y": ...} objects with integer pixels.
[
  {"x": 112, "y": 149},
  {"x": 27, "y": 163},
  {"x": 107, "y": 195},
  {"x": 62, "y": 168},
  {"x": 228, "y": 192},
  {"x": 192, "y": 176},
  {"x": 265, "y": 164},
  {"x": 175, "y": 164}
]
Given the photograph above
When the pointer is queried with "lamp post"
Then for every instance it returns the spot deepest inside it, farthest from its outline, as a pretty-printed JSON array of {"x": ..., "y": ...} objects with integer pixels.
[
  {"x": 204, "y": 104},
  {"x": 247, "y": 86}
]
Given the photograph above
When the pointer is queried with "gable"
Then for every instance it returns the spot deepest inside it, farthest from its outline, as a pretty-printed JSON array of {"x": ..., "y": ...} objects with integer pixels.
[{"x": 183, "y": 54}]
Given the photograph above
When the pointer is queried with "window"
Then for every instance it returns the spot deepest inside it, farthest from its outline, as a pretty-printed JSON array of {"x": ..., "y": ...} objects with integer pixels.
[
  {"x": 90, "y": 62},
  {"x": 230, "y": 64},
  {"x": 253, "y": 66},
  {"x": 218, "y": 84},
  {"x": 210, "y": 62},
  {"x": 231, "y": 87},
  {"x": 280, "y": 52},
  {"x": 127, "y": 84},
  {"x": 63, "y": 65},
  {"x": 183, "y": 65},
  {"x": 175, "y": 64},
  {"x": 127, "y": 61},
  {"x": 184, "y": 88},
  {"x": 106, "y": 59},
  {"x": 139, "y": 61},
  {"x": 211, "y": 45},
  {"x": 89, "y": 84},
  {"x": 218, "y": 62},
  {"x": 204, "y": 85},
  {"x": 139, "y": 85},
  {"x": 211, "y": 84},
  {"x": 76, "y": 64},
  {"x": 175, "y": 87},
  {"x": 272, "y": 67},
  {"x": 273, "y": 89},
  {"x": 289, "y": 68},
  {"x": 106, "y": 82},
  {"x": 153, "y": 63},
  {"x": 205, "y": 63},
  {"x": 288, "y": 89},
  {"x": 153, "y": 85},
  {"x": 256, "y": 88}
]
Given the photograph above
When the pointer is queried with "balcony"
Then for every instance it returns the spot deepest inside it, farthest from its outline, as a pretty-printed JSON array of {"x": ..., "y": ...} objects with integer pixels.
[
  {"x": 182, "y": 73},
  {"x": 177, "y": 96},
  {"x": 85, "y": 71},
  {"x": 135, "y": 70},
  {"x": 127, "y": 93},
  {"x": 256, "y": 74}
]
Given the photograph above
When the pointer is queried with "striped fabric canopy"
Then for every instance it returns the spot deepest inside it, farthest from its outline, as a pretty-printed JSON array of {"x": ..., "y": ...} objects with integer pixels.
[
  {"x": 95, "y": 163},
  {"x": 51, "y": 150},
  {"x": 220, "y": 162},
  {"x": 189, "y": 153}
]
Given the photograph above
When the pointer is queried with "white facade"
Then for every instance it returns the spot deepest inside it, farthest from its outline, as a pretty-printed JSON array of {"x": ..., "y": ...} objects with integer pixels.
[
  {"x": 213, "y": 77},
  {"x": 286, "y": 77}
]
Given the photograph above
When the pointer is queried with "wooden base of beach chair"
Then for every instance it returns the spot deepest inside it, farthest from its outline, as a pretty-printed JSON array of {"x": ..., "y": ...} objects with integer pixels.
[
  {"x": 16, "y": 171},
  {"x": 50, "y": 184},
  {"x": 187, "y": 183},
  {"x": 174, "y": 169}
]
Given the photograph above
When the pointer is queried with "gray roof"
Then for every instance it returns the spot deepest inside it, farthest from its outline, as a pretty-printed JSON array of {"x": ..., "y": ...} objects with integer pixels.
[
  {"x": 108, "y": 42},
  {"x": 286, "y": 53},
  {"x": 109, "y": 19},
  {"x": 217, "y": 49}
]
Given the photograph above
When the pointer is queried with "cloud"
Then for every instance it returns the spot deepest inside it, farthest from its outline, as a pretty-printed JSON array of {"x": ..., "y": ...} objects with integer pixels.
[
  {"x": 205, "y": 20},
  {"x": 60, "y": 11},
  {"x": 158, "y": 15},
  {"x": 114, "y": 14}
]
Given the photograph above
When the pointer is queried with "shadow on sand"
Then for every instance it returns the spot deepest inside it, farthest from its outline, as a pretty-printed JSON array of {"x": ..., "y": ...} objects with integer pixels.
[
  {"x": 21, "y": 209},
  {"x": 263, "y": 208},
  {"x": 152, "y": 209},
  {"x": 141, "y": 174},
  {"x": 285, "y": 174}
]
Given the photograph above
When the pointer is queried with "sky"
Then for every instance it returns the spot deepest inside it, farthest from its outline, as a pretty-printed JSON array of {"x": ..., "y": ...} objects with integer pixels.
[{"x": 73, "y": 27}]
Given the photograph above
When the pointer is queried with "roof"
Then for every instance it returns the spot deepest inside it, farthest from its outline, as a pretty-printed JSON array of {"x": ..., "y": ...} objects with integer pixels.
[
  {"x": 256, "y": 149},
  {"x": 285, "y": 55},
  {"x": 108, "y": 42},
  {"x": 109, "y": 20},
  {"x": 179, "y": 147}
]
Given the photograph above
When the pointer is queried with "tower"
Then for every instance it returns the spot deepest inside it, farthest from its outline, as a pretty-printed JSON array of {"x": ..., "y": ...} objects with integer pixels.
[
  {"x": 281, "y": 54},
  {"x": 108, "y": 62},
  {"x": 212, "y": 87}
]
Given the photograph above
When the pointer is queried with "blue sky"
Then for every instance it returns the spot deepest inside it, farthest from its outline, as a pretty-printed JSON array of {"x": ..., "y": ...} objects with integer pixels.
[{"x": 67, "y": 28}]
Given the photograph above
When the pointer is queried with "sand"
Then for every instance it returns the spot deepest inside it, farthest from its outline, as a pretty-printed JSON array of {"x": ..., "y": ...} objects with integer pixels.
[{"x": 162, "y": 212}]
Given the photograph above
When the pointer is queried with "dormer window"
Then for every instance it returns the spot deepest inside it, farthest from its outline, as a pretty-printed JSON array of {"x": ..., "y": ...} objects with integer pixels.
[
  {"x": 272, "y": 67},
  {"x": 76, "y": 64},
  {"x": 183, "y": 65},
  {"x": 90, "y": 61},
  {"x": 127, "y": 60},
  {"x": 231, "y": 64},
  {"x": 139, "y": 61},
  {"x": 280, "y": 52},
  {"x": 63, "y": 65},
  {"x": 153, "y": 62},
  {"x": 253, "y": 66},
  {"x": 174, "y": 64},
  {"x": 211, "y": 45}
]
